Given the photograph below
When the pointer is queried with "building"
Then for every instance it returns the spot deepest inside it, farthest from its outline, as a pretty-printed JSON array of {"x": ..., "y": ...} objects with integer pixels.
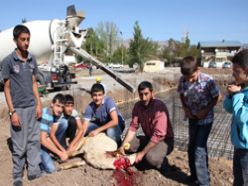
[
  {"x": 215, "y": 54},
  {"x": 153, "y": 66}
]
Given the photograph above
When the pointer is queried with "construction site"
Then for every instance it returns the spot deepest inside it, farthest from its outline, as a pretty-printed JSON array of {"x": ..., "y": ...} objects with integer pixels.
[
  {"x": 59, "y": 45},
  {"x": 165, "y": 84}
]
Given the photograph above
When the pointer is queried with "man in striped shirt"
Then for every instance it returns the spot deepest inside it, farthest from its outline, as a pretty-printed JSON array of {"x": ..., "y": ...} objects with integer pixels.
[{"x": 53, "y": 127}]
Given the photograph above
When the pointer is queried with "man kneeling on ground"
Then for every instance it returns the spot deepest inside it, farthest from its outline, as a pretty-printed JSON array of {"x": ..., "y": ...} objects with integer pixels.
[
  {"x": 53, "y": 127},
  {"x": 157, "y": 141},
  {"x": 102, "y": 115},
  {"x": 75, "y": 129}
]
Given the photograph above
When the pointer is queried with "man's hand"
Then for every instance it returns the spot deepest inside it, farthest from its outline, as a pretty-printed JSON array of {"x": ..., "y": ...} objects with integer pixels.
[
  {"x": 233, "y": 88},
  {"x": 93, "y": 133},
  {"x": 188, "y": 113},
  {"x": 15, "y": 120},
  {"x": 139, "y": 157},
  {"x": 63, "y": 150},
  {"x": 38, "y": 111},
  {"x": 71, "y": 150},
  {"x": 121, "y": 150},
  {"x": 63, "y": 156},
  {"x": 201, "y": 114}
]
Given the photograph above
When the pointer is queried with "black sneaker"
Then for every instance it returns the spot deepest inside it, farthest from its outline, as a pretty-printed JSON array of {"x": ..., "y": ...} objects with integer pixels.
[
  {"x": 191, "y": 180},
  {"x": 33, "y": 177},
  {"x": 17, "y": 183}
]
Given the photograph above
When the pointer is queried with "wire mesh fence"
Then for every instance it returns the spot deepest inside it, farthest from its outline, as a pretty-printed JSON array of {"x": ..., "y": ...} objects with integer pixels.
[{"x": 219, "y": 144}]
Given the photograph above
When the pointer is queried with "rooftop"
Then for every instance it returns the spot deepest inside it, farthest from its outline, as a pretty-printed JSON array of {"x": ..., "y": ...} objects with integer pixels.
[{"x": 223, "y": 43}]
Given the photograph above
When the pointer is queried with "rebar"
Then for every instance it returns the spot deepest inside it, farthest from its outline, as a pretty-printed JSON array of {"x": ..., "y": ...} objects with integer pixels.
[{"x": 219, "y": 144}]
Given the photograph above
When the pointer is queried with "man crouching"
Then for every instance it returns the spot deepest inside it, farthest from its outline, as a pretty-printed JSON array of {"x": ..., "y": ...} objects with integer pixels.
[
  {"x": 53, "y": 127},
  {"x": 157, "y": 141}
]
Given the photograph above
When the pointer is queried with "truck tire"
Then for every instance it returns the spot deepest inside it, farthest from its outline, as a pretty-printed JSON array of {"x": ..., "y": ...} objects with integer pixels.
[
  {"x": 66, "y": 75},
  {"x": 1, "y": 86},
  {"x": 41, "y": 84},
  {"x": 40, "y": 79},
  {"x": 68, "y": 80}
]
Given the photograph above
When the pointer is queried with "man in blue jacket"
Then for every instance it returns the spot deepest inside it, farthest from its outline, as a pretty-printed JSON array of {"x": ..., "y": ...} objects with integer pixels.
[{"x": 236, "y": 102}]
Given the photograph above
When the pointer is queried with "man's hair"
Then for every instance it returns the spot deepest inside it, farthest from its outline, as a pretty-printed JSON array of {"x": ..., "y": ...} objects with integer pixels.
[
  {"x": 69, "y": 99},
  {"x": 188, "y": 65},
  {"x": 145, "y": 84},
  {"x": 18, "y": 30},
  {"x": 97, "y": 87},
  {"x": 241, "y": 59},
  {"x": 59, "y": 97}
]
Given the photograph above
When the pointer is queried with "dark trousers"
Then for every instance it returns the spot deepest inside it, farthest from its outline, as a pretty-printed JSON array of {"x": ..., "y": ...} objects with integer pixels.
[
  {"x": 197, "y": 151},
  {"x": 156, "y": 157},
  {"x": 72, "y": 128},
  {"x": 240, "y": 167}
]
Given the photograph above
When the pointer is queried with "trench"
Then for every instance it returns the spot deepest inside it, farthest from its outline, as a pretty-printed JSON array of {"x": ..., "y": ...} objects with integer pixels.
[{"x": 219, "y": 144}]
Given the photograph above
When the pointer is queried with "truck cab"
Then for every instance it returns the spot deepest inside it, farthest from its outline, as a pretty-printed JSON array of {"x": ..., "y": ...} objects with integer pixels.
[{"x": 55, "y": 77}]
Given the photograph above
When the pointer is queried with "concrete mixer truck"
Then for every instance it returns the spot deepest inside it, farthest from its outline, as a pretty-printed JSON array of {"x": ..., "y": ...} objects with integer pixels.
[{"x": 55, "y": 43}]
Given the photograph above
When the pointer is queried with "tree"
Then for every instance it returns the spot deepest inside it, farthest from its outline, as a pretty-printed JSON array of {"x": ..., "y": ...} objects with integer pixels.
[
  {"x": 108, "y": 33},
  {"x": 117, "y": 55},
  {"x": 93, "y": 44},
  {"x": 176, "y": 50},
  {"x": 169, "y": 52},
  {"x": 185, "y": 49},
  {"x": 141, "y": 49}
]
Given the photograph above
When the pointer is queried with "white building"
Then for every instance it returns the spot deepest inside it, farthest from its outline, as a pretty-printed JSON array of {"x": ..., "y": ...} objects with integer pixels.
[
  {"x": 215, "y": 54},
  {"x": 153, "y": 66}
]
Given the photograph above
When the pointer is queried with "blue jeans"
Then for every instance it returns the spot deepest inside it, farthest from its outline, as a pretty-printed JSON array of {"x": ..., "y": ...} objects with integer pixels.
[
  {"x": 240, "y": 167},
  {"x": 197, "y": 151},
  {"x": 114, "y": 133},
  {"x": 47, "y": 163}
]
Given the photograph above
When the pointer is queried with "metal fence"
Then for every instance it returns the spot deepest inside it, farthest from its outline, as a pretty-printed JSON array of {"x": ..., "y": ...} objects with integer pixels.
[{"x": 219, "y": 144}]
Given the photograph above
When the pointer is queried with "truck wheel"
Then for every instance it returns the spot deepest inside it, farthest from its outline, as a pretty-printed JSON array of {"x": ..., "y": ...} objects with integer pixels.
[
  {"x": 40, "y": 80},
  {"x": 41, "y": 84},
  {"x": 67, "y": 80},
  {"x": 1, "y": 87}
]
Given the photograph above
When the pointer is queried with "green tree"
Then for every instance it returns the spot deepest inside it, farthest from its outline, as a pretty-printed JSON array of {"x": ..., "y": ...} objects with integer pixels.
[
  {"x": 194, "y": 51},
  {"x": 108, "y": 33},
  {"x": 94, "y": 45},
  {"x": 141, "y": 49},
  {"x": 169, "y": 52},
  {"x": 185, "y": 49},
  {"x": 119, "y": 53},
  {"x": 177, "y": 50}
]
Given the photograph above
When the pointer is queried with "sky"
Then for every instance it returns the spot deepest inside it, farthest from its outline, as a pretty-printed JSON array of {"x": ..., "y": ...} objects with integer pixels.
[{"x": 160, "y": 20}]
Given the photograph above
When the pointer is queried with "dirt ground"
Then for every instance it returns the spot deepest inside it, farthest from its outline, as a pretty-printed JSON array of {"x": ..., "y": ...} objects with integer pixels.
[{"x": 220, "y": 170}]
